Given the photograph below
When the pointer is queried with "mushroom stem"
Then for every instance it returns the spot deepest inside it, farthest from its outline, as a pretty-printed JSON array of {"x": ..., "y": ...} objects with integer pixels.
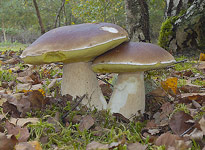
[
  {"x": 79, "y": 79},
  {"x": 128, "y": 96}
]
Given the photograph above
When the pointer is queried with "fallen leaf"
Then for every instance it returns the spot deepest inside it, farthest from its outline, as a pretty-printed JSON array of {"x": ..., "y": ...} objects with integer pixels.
[
  {"x": 10, "y": 109},
  {"x": 202, "y": 124},
  {"x": 32, "y": 145},
  {"x": 136, "y": 146},
  {"x": 153, "y": 131},
  {"x": 170, "y": 83},
  {"x": 26, "y": 86},
  {"x": 53, "y": 82},
  {"x": 35, "y": 144},
  {"x": 202, "y": 57},
  {"x": 188, "y": 73},
  {"x": 178, "y": 122},
  {"x": 151, "y": 124},
  {"x": 86, "y": 123},
  {"x": 201, "y": 65},
  {"x": 196, "y": 135},
  {"x": 97, "y": 146},
  {"x": 25, "y": 79},
  {"x": 190, "y": 88},
  {"x": 167, "y": 108},
  {"x": 158, "y": 92},
  {"x": 167, "y": 139},
  {"x": 114, "y": 145},
  {"x": 22, "y": 134},
  {"x": 76, "y": 119},
  {"x": 13, "y": 61},
  {"x": 23, "y": 121},
  {"x": 106, "y": 90},
  {"x": 7, "y": 143},
  {"x": 198, "y": 97},
  {"x": 24, "y": 146}
]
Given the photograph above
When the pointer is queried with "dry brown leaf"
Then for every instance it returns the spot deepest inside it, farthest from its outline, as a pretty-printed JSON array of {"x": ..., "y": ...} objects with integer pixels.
[
  {"x": 10, "y": 109},
  {"x": 136, "y": 146},
  {"x": 25, "y": 79},
  {"x": 201, "y": 65},
  {"x": 7, "y": 143},
  {"x": 153, "y": 131},
  {"x": 32, "y": 145},
  {"x": 97, "y": 146},
  {"x": 167, "y": 139},
  {"x": 23, "y": 121},
  {"x": 151, "y": 124},
  {"x": 21, "y": 133},
  {"x": 158, "y": 92},
  {"x": 178, "y": 122},
  {"x": 202, "y": 124},
  {"x": 190, "y": 88},
  {"x": 196, "y": 135},
  {"x": 106, "y": 90},
  {"x": 86, "y": 123},
  {"x": 24, "y": 146},
  {"x": 188, "y": 97},
  {"x": 167, "y": 108},
  {"x": 76, "y": 119},
  {"x": 12, "y": 61},
  {"x": 53, "y": 82},
  {"x": 35, "y": 144},
  {"x": 26, "y": 86},
  {"x": 188, "y": 73}
]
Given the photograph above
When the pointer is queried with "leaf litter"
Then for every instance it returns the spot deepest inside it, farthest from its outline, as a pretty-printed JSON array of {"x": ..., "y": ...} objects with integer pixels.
[{"x": 33, "y": 112}]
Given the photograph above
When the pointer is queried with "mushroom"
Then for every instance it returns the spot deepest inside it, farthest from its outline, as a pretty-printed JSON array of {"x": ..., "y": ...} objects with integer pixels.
[
  {"x": 76, "y": 46},
  {"x": 130, "y": 60}
]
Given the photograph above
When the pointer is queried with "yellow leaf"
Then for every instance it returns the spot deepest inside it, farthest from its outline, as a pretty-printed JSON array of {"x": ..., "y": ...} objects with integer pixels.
[
  {"x": 35, "y": 144},
  {"x": 170, "y": 83},
  {"x": 202, "y": 57}
]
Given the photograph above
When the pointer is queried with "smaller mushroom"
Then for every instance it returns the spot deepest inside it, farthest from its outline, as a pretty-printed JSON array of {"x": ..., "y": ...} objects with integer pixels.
[{"x": 130, "y": 60}]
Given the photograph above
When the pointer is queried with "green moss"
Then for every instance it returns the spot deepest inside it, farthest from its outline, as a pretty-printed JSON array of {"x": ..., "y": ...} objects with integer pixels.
[{"x": 166, "y": 31}]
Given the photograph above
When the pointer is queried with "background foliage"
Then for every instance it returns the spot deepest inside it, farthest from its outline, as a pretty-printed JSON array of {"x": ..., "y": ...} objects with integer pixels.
[{"x": 19, "y": 23}]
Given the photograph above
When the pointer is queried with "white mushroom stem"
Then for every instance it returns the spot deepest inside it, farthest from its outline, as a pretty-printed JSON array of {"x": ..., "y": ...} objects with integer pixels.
[
  {"x": 128, "y": 95},
  {"x": 79, "y": 79}
]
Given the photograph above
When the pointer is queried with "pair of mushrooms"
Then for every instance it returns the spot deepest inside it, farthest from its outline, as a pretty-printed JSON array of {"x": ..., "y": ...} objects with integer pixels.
[{"x": 77, "y": 46}]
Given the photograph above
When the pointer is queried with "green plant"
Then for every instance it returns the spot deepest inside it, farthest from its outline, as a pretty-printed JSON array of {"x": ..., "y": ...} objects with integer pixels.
[
  {"x": 6, "y": 75},
  {"x": 180, "y": 107},
  {"x": 166, "y": 31}
]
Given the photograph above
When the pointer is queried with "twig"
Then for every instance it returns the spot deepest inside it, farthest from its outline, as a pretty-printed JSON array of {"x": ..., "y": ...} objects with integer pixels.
[
  {"x": 74, "y": 107},
  {"x": 105, "y": 81}
]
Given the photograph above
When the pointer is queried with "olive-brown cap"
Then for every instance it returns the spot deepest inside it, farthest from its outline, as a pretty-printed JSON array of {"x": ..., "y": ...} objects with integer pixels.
[
  {"x": 74, "y": 43},
  {"x": 132, "y": 57}
]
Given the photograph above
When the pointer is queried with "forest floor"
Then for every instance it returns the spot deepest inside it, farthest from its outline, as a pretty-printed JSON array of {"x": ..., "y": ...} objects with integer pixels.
[{"x": 31, "y": 110}]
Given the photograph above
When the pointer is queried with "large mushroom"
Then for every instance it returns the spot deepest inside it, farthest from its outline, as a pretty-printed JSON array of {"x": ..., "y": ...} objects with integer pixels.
[
  {"x": 130, "y": 60},
  {"x": 76, "y": 46}
]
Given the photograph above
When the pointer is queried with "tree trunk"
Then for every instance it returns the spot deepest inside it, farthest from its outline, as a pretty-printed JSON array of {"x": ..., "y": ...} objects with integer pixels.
[
  {"x": 39, "y": 17},
  {"x": 4, "y": 32},
  {"x": 137, "y": 19},
  {"x": 188, "y": 27}
]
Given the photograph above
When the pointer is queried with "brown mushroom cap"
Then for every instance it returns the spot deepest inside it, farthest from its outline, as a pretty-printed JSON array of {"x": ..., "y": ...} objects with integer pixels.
[
  {"x": 75, "y": 43},
  {"x": 132, "y": 57}
]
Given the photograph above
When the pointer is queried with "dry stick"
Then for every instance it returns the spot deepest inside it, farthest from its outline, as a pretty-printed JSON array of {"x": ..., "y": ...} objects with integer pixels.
[
  {"x": 105, "y": 81},
  {"x": 74, "y": 107}
]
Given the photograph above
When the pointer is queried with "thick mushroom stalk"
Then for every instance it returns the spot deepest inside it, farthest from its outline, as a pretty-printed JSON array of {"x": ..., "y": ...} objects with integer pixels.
[
  {"x": 79, "y": 79},
  {"x": 128, "y": 96}
]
